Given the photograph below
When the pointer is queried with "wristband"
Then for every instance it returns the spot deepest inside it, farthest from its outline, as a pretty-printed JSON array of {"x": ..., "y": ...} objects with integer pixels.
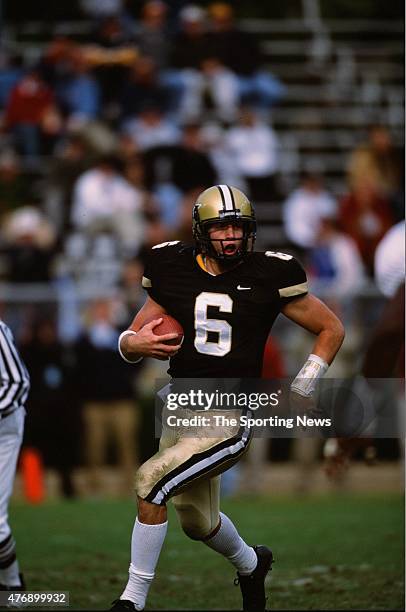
[
  {"x": 305, "y": 382},
  {"x": 127, "y": 332}
]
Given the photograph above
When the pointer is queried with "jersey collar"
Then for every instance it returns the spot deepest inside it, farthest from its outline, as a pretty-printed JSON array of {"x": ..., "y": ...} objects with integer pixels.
[{"x": 200, "y": 261}]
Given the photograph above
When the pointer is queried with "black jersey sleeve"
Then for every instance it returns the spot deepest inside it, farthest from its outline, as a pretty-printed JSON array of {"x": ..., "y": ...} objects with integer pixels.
[
  {"x": 158, "y": 261},
  {"x": 293, "y": 281},
  {"x": 287, "y": 274},
  {"x": 148, "y": 277}
]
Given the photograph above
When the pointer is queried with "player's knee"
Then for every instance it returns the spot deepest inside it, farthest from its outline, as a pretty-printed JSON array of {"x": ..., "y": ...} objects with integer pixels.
[
  {"x": 151, "y": 514},
  {"x": 141, "y": 484},
  {"x": 195, "y": 531},
  {"x": 194, "y": 523},
  {"x": 145, "y": 480}
]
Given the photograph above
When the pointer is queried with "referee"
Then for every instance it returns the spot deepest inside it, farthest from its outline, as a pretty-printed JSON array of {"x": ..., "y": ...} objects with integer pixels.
[{"x": 14, "y": 387}]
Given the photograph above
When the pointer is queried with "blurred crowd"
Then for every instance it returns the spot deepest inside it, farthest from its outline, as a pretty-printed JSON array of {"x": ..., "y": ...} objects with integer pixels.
[{"x": 104, "y": 145}]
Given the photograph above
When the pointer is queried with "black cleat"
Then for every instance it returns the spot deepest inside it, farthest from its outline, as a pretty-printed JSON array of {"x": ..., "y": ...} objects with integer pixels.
[
  {"x": 9, "y": 587},
  {"x": 253, "y": 586},
  {"x": 123, "y": 605}
]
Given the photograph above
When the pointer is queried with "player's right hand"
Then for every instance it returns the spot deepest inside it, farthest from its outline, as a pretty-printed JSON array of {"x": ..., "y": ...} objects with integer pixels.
[{"x": 146, "y": 344}]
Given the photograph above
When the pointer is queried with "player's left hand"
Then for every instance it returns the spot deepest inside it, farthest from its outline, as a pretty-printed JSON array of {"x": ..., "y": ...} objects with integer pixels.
[{"x": 302, "y": 406}]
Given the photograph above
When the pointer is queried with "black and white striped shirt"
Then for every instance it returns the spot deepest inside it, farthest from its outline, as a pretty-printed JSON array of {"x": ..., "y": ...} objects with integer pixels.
[{"x": 14, "y": 377}]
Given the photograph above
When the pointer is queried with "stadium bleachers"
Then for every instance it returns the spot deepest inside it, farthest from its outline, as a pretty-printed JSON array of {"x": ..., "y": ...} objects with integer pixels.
[
  {"x": 340, "y": 78},
  {"x": 340, "y": 75}
]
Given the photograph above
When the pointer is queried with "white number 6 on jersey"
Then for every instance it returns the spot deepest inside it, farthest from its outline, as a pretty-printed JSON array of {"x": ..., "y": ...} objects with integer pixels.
[{"x": 203, "y": 325}]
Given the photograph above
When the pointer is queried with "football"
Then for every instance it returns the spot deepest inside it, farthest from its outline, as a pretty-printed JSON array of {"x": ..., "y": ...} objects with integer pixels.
[{"x": 169, "y": 325}]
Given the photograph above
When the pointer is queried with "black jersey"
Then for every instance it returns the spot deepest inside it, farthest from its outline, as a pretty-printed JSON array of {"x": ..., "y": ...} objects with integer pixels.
[{"x": 226, "y": 318}]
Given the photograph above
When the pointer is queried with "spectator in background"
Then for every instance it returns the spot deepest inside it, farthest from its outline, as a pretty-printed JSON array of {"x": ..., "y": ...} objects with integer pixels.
[
  {"x": 304, "y": 210},
  {"x": 389, "y": 260},
  {"x": 175, "y": 171},
  {"x": 72, "y": 158},
  {"x": 79, "y": 93},
  {"x": 110, "y": 33},
  {"x": 15, "y": 187},
  {"x": 132, "y": 293},
  {"x": 71, "y": 71},
  {"x": 377, "y": 164},
  {"x": 103, "y": 200},
  {"x": 29, "y": 241},
  {"x": 253, "y": 148},
  {"x": 384, "y": 357},
  {"x": 190, "y": 43},
  {"x": 54, "y": 65},
  {"x": 151, "y": 128},
  {"x": 189, "y": 49},
  {"x": 99, "y": 9},
  {"x": 213, "y": 136},
  {"x": 155, "y": 231},
  {"x": 334, "y": 262},
  {"x": 11, "y": 71},
  {"x": 93, "y": 260},
  {"x": 151, "y": 35},
  {"x": 189, "y": 154},
  {"x": 240, "y": 53},
  {"x": 365, "y": 215},
  {"x": 217, "y": 90},
  {"x": 110, "y": 53},
  {"x": 106, "y": 386},
  {"x": 143, "y": 89},
  {"x": 208, "y": 85},
  {"x": 126, "y": 147},
  {"x": 53, "y": 425},
  {"x": 32, "y": 116},
  {"x": 193, "y": 156}
]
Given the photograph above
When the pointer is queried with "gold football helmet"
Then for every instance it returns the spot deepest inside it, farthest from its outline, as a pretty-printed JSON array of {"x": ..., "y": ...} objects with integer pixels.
[{"x": 223, "y": 204}]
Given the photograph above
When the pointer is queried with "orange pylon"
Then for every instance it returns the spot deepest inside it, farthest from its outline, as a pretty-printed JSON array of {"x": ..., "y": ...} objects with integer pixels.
[{"x": 32, "y": 472}]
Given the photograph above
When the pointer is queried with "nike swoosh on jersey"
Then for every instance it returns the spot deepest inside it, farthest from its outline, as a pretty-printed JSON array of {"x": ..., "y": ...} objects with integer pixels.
[{"x": 243, "y": 288}]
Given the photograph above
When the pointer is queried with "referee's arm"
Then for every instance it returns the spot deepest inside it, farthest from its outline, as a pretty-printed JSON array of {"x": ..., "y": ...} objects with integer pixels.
[{"x": 14, "y": 378}]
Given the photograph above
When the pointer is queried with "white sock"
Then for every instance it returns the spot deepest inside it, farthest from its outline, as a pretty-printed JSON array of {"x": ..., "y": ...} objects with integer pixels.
[
  {"x": 229, "y": 543},
  {"x": 146, "y": 544},
  {"x": 10, "y": 575}
]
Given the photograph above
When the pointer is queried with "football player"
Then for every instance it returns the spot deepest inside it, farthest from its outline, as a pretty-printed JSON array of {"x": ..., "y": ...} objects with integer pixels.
[{"x": 226, "y": 296}]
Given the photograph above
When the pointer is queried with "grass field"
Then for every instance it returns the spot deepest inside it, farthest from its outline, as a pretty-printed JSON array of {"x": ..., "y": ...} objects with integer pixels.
[{"x": 341, "y": 552}]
